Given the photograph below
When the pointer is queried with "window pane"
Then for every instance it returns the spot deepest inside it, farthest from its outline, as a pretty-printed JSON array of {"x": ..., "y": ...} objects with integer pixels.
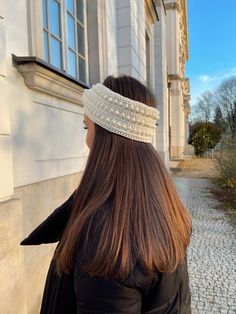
[
  {"x": 71, "y": 31},
  {"x": 45, "y": 24},
  {"x": 54, "y": 18},
  {"x": 55, "y": 52},
  {"x": 72, "y": 63},
  {"x": 80, "y": 10},
  {"x": 45, "y": 38},
  {"x": 70, "y": 6},
  {"x": 82, "y": 73},
  {"x": 80, "y": 34}
]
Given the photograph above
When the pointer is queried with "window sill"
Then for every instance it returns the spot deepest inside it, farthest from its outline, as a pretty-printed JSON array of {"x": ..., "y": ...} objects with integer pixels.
[{"x": 40, "y": 76}]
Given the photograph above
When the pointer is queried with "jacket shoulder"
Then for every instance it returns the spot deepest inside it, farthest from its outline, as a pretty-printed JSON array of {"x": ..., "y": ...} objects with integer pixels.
[
  {"x": 170, "y": 293},
  {"x": 102, "y": 295},
  {"x": 140, "y": 293}
]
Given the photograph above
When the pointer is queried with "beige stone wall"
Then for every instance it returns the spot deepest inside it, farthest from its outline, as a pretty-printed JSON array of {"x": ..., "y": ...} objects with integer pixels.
[
  {"x": 11, "y": 259},
  {"x": 23, "y": 269}
]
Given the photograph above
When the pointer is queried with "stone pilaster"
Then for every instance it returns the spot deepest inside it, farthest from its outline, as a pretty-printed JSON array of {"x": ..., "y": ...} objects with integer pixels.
[
  {"x": 177, "y": 51},
  {"x": 176, "y": 119},
  {"x": 6, "y": 167},
  {"x": 162, "y": 135}
]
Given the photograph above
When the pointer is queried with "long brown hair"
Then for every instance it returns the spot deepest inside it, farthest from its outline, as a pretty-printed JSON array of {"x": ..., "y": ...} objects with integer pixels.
[{"x": 126, "y": 208}]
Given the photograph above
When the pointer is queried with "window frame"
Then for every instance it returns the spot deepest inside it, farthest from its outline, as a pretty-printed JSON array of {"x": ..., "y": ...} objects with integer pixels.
[
  {"x": 36, "y": 36},
  {"x": 50, "y": 34}
]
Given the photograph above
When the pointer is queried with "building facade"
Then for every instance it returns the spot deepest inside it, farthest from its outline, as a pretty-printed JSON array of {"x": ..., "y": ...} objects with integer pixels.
[
  {"x": 50, "y": 50},
  {"x": 179, "y": 89}
]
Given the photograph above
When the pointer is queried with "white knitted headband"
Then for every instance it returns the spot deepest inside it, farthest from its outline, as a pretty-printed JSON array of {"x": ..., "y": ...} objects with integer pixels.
[{"x": 119, "y": 114}]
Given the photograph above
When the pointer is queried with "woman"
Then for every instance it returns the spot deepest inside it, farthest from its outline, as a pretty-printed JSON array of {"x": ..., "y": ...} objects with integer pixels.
[{"x": 123, "y": 233}]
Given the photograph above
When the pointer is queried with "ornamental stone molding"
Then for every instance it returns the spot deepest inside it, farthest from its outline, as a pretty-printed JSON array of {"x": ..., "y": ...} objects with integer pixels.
[
  {"x": 183, "y": 34},
  {"x": 186, "y": 94},
  {"x": 172, "y": 6},
  {"x": 40, "y": 76},
  {"x": 181, "y": 7},
  {"x": 175, "y": 77},
  {"x": 151, "y": 11},
  {"x": 160, "y": 3},
  {"x": 186, "y": 86}
]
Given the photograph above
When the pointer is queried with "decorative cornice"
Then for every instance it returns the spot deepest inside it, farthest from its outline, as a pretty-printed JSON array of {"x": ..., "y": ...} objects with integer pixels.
[
  {"x": 172, "y": 6},
  {"x": 161, "y": 4},
  {"x": 40, "y": 76},
  {"x": 151, "y": 11},
  {"x": 175, "y": 77},
  {"x": 186, "y": 95},
  {"x": 181, "y": 7}
]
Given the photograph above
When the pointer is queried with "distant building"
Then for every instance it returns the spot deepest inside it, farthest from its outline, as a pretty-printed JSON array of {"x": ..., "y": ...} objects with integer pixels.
[{"x": 50, "y": 51}]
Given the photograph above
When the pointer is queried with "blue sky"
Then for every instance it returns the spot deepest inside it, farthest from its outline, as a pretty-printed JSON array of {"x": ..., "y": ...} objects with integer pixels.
[{"x": 212, "y": 44}]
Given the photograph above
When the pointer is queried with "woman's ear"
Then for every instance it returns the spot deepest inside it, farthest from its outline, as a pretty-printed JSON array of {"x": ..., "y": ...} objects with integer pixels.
[{"x": 90, "y": 131}]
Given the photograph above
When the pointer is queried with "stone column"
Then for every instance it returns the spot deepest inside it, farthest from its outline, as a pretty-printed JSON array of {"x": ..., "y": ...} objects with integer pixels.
[
  {"x": 162, "y": 135},
  {"x": 101, "y": 29},
  {"x": 177, "y": 119},
  {"x": 186, "y": 110},
  {"x": 175, "y": 63},
  {"x": 186, "y": 129},
  {"x": 11, "y": 259},
  {"x": 131, "y": 38}
]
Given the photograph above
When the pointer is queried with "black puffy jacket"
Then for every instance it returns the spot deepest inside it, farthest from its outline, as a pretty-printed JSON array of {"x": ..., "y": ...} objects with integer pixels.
[{"x": 78, "y": 293}]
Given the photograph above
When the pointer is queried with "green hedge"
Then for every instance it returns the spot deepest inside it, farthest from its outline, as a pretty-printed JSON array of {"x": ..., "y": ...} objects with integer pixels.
[{"x": 204, "y": 135}]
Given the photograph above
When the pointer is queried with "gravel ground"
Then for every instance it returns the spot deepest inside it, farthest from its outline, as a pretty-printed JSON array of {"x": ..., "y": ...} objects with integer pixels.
[{"x": 212, "y": 252}]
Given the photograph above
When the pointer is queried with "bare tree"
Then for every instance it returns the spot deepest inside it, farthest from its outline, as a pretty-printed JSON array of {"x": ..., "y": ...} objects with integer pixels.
[
  {"x": 204, "y": 108},
  {"x": 226, "y": 99},
  {"x": 219, "y": 119}
]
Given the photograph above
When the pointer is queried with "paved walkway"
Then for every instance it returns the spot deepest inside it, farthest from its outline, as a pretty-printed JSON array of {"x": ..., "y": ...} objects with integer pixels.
[{"x": 212, "y": 252}]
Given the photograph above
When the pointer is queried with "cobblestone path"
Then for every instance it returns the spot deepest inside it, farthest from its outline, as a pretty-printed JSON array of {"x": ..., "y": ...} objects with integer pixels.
[{"x": 212, "y": 252}]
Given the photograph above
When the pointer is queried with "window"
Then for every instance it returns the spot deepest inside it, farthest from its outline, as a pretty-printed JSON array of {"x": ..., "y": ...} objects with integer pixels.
[{"x": 64, "y": 36}]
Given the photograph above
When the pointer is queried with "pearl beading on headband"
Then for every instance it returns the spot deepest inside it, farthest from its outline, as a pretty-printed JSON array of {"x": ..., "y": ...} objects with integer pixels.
[{"x": 119, "y": 114}]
